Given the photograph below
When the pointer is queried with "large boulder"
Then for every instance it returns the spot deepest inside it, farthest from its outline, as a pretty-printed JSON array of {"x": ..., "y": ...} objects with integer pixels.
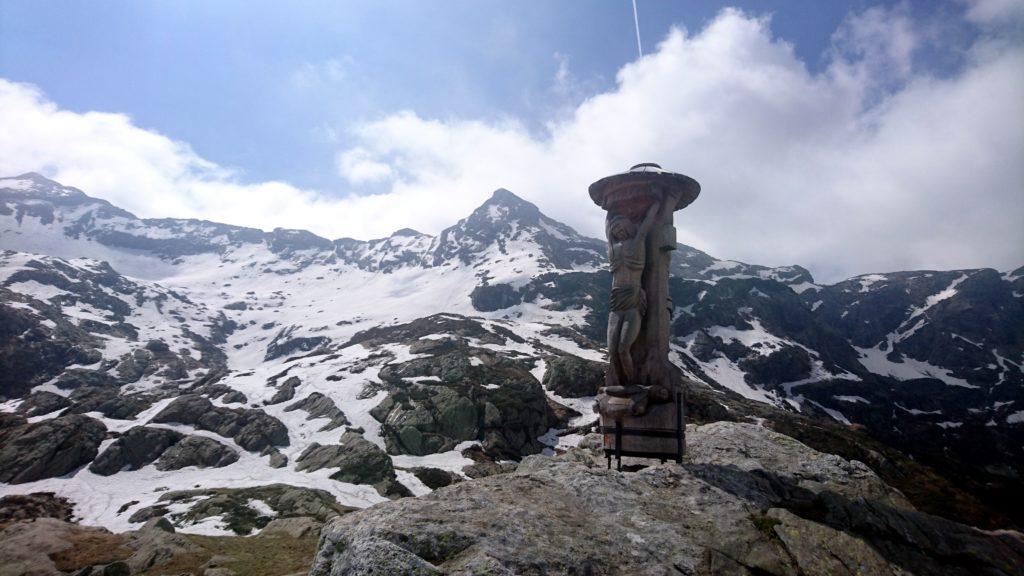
[
  {"x": 285, "y": 344},
  {"x": 571, "y": 515},
  {"x": 358, "y": 461},
  {"x": 36, "y": 505},
  {"x": 42, "y": 402},
  {"x": 79, "y": 377},
  {"x": 135, "y": 448},
  {"x": 574, "y": 377},
  {"x": 723, "y": 447},
  {"x": 156, "y": 544},
  {"x": 109, "y": 401},
  {"x": 286, "y": 391},
  {"x": 51, "y": 547},
  {"x": 198, "y": 451},
  {"x": 437, "y": 402},
  {"x": 252, "y": 429},
  {"x": 49, "y": 448},
  {"x": 298, "y": 527},
  {"x": 435, "y": 478},
  {"x": 316, "y": 405},
  {"x": 492, "y": 297}
]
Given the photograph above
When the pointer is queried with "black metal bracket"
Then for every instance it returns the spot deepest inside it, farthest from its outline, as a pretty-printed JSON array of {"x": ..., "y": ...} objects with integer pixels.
[{"x": 663, "y": 456}]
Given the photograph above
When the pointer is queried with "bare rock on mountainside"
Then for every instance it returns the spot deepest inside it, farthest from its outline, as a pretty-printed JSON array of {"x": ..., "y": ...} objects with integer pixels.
[
  {"x": 286, "y": 391},
  {"x": 235, "y": 506},
  {"x": 574, "y": 377},
  {"x": 750, "y": 502},
  {"x": 48, "y": 448},
  {"x": 316, "y": 405},
  {"x": 36, "y": 505},
  {"x": 357, "y": 461},
  {"x": 754, "y": 449},
  {"x": 138, "y": 446},
  {"x": 198, "y": 451},
  {"x": 252, "y": 429},
  {"x": 42, "y": 402},
  {"x": 447, "y": 395}
]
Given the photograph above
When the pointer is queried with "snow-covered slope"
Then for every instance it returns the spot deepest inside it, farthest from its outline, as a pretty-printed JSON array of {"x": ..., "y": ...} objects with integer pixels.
[{"x": 301, "y": 355}]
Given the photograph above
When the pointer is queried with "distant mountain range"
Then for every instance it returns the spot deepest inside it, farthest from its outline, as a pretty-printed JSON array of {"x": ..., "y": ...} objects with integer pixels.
[{"x": 285, "y": 357}]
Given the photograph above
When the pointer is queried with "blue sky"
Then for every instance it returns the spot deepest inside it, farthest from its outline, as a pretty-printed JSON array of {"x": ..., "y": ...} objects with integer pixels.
[
  {"x": 269, "y": 87},
  {"x": 353, "y": 118}
]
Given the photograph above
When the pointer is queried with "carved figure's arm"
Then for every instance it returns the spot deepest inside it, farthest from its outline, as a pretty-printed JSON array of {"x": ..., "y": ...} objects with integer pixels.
[{"x": 649, "y": 218}]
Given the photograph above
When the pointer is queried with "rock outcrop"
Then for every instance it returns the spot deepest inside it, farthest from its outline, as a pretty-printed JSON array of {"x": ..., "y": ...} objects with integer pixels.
[
  {"x": 135, "y": 448},
  {"x": 436, "y": 402},
  {"x": 574, "y": 377},
  {"x": 42, "y": 402},
  {"x": 316, "y": 405},
  {"x": 358, "y": 461},
  {"x": 36, "y": 505},
  {"x": 235, "y": 506},
  {"x": 252, "y": 429},
  {"x": 197, "y": 451},
  {"x": 746, "y": 501},
  {"x": 48, "y": 448}
]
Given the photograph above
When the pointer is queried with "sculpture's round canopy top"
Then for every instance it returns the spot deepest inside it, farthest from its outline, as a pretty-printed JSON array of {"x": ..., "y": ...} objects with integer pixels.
[{"x": 643, "y": 178}]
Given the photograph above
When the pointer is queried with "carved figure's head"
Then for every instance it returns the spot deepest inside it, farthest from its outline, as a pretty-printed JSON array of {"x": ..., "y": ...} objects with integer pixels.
[{"x": 621, "y": 228}]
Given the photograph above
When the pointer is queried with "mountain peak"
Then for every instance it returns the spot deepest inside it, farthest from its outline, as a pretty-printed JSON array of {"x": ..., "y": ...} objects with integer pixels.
[
  {"x": 406, "y": 232},
  {"x": 507, "y": 198},
  {"x": 35, "y": 184}
]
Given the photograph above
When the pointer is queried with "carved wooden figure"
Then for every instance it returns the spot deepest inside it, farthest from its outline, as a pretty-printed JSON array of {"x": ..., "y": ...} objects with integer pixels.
[{"x": 641, "y": 237}]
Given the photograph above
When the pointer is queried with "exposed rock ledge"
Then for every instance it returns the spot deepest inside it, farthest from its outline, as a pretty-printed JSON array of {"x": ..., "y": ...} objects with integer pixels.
[{"x": 747, "y": 501}]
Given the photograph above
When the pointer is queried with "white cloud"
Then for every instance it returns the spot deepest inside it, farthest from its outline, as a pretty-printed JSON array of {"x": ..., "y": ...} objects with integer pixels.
[
  {"x": 988, "y": 11},
  {"x": 869, "y": 165},
  {"x": 356, "y": 166}
]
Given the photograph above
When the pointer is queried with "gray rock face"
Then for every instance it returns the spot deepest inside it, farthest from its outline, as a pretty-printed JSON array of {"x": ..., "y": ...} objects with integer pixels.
[
  {"x": 298, "y": 527},
  {"x": 252, "y": 429},
  {"x": 574, "y": 377},
  {"x": 753, "y": 449},
  {"x": 197, "y": 451},
  {"x": 757, "y": 512},
  {"x": 435, "y": 478},
  {"x": 39, "y": 403},
  {"x": 358, "y": 461},
  {"x": 25, "y": 547},
  {"x": 319, "y": 406},
  {"x": 135, "y": 448},
  {"x": 48, "y": 448},
  {"x": 284, "y": 344},
  {"x": 453, "y": 400},
  {"x": 287, "y": 390},
  {"x": 155, "y": 544},
  {"x": 36, "y": 505}
]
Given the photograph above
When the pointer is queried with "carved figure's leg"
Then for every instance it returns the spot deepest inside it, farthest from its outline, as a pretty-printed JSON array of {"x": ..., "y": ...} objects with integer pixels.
[
  {"x": 628, "y": 333},
  {"x": 614, "y": 329}
]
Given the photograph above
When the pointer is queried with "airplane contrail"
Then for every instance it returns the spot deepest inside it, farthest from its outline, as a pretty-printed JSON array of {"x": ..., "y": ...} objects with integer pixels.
[{"x": 636, "y": 21}]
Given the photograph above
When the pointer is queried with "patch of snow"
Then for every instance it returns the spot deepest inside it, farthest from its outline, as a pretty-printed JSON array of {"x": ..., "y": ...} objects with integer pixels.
[
  {"x": 853, "y": 399},
  {"x": 875, "y": 360}
]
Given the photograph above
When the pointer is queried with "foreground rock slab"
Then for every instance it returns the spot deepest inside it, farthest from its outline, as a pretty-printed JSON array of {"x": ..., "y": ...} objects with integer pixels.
[{"x": 741, "y": 507}]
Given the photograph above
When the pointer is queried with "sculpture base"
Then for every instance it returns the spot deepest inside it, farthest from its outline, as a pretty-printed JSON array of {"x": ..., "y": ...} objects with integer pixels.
[{"x": 659, "y": 433}]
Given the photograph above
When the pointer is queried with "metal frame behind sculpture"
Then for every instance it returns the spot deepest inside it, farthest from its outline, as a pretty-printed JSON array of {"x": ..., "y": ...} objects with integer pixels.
[{"x": 619, "y": 431}]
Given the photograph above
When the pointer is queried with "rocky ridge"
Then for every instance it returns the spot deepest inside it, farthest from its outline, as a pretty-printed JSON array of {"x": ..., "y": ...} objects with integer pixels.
[{"x": 745, "y": 501}]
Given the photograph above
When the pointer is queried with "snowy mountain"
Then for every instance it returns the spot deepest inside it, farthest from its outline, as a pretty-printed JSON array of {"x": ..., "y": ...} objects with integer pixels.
[{"x": 156, "y": 353}]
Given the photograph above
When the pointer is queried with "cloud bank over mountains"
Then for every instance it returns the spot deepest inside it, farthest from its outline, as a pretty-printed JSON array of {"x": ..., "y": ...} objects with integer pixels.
[{"x": 874, "y": 163}]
